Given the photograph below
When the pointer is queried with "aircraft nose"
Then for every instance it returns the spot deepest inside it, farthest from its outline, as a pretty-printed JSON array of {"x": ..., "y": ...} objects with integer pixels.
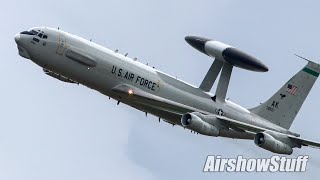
[
  {"x": 197, "y": 42},
  {"x": 17, "y": 37},
  {"x": 21, "y": 46}
]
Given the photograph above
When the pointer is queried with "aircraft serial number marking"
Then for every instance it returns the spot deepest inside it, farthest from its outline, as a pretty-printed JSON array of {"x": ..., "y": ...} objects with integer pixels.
[
  {"x": 135, "y": 79},
  {"x": 274, "y": 106}
]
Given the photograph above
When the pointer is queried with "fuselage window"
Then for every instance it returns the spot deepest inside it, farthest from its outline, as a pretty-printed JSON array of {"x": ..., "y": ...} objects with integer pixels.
[
  {"x": 45, "y": 36},
  {"x": 40, "y": 35}
]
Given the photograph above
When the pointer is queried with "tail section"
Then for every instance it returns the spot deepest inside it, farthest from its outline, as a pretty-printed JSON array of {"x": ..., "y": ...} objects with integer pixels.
[{"x": 283, "y": 106}]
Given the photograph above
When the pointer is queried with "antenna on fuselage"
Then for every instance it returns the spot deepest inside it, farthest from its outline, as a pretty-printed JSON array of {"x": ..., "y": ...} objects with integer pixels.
[
  {"x": 303, "y": 58},
  {"x": 126, "y": 54},
  {"x": 116, "y": 50},
  {"x": 58, "y": 28}
]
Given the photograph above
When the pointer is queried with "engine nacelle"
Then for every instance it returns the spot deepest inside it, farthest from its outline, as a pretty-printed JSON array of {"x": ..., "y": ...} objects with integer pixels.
[
  {"x": 270, "y": 143},
  {"x": 226, "y": 53},
  {"x": 195, "y": 123}
]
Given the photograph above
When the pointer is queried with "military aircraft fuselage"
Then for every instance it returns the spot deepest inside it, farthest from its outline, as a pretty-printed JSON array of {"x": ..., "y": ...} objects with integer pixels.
[{"x": 102, "y": 69}]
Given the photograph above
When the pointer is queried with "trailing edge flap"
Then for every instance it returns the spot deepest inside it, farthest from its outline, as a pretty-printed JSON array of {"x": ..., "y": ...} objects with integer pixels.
[
  {"x": 142, "y": 97},
  {"x": 240, "y": 125},
  {"x": 256, "y": 129},
  {"x": 81, "y": 57},
  {"x": 305, "y": 142},
  {"x": 247, "y": 127},
  {"x": 211, "y": 75}
]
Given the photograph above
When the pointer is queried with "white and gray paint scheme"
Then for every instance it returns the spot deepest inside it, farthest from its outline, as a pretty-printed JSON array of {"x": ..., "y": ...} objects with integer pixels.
[{"x": 73, "y": 59}]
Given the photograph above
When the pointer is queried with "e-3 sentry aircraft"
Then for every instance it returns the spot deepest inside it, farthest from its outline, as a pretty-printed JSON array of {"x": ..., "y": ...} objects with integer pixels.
[{"x": 72, "y": 59}]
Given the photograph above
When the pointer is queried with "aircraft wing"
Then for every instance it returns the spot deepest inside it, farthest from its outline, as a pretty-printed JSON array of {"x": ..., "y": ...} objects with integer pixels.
[
  {"x": 142, "y": 97},
  {"x": 305, "y": 142},
  {"x": 252, "y": 128},
  {"x": 238, "y": 124}
]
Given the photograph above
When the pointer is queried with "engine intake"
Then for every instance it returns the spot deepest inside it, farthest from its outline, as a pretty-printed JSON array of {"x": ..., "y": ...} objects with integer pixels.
[
  {"x": 195, "y": 123},
  {"x": 270, "y": 143}
]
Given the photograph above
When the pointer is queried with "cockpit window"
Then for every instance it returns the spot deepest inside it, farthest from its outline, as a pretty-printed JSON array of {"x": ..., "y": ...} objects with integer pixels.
[
  {"x": 37, "y": 33},
  {"x": 33, "y": 32}
]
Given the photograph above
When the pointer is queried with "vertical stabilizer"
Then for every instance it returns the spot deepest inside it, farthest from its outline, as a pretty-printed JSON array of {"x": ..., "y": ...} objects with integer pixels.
[{"x": 284, "y": 105}]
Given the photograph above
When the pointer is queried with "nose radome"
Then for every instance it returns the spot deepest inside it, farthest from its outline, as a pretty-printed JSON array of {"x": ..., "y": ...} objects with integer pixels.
[
  {"x": 197, "y": 42},
  {"x": 17, "y": 37}
]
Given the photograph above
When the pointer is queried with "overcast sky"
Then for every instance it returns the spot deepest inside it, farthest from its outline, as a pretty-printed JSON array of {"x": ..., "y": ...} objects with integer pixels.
[{"x": 52, "y": 130}]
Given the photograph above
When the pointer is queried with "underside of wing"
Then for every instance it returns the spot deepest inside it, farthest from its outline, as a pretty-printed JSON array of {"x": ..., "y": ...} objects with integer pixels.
[
  {"x": 305, "y": 142},
  {"x": 174, "y": 111},
  {"x": 252, "y": 128},
  {"x": 139, "y": 96},
  {"x": 234, "y": 124}
]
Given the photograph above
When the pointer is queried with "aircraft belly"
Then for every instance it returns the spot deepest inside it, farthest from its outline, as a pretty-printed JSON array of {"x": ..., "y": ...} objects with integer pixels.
[
  {"x": 236, "y": 134},
  {"x": 174, "y": 118},
  {"x": 156, "y": 111}
]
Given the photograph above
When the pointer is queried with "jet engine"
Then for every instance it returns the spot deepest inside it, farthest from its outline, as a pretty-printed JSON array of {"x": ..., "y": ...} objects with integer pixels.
[
  {"x": 271, "y": 143},
  {"x": 195, "y": 123}
]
